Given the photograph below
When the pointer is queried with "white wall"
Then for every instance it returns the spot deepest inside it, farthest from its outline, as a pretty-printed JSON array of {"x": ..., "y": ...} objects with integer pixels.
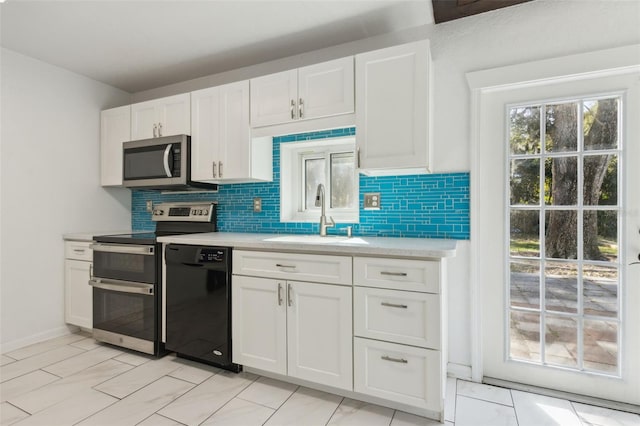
[
  {"x": 530, "y": 31},
  {"x": 50, "y": 185}
]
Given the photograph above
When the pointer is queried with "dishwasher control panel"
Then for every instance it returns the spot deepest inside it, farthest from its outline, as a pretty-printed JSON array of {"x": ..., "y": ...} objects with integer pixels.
[{"x": 210, "y": 254}]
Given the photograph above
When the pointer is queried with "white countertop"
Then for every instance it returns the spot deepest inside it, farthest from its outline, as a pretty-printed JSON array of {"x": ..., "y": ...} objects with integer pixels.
[
  {"x": 88, "y": 235},
  {"x": 378, "y": 246}
]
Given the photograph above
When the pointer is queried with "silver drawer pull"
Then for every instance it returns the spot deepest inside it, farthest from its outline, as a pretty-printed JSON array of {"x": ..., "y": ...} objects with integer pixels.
[
  {"x": 78, "y": 250},
  {"x": 279, "y": 265},
  {"x": 393, "y": 305},
  {"x": 394, "y": 274},
  {"x": 388, "y": 358}
]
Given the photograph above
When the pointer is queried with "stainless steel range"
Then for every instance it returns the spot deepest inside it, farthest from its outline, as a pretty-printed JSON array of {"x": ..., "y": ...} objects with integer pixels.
[{"x": 127, "y": 274}]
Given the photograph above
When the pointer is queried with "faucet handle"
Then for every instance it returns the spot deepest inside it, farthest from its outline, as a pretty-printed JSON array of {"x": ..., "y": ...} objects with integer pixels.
[{"x": 333, "y": 223}]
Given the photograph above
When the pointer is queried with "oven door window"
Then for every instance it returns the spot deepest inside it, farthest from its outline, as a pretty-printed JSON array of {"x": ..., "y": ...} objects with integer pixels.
[
  {"x": 124, "y": 266},
  {"x": 124, "y": 313}
]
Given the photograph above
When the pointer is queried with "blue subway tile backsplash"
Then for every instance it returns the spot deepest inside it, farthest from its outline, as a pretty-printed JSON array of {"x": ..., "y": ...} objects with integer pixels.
[{"x": 421, "y": 206}]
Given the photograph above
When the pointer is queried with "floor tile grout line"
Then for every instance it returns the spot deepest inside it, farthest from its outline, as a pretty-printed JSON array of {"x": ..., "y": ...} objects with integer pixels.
[
  {"x": 334, "y": 411},
  {"x": 282, "y": 405},
  {"x": 515, "y": 411},
  {"x": 128, "y": 395},
  {"x": 18, "y": 408},
  {"x": 196, "y": 385},
  {"x": 484, "y": 400},
  {"x": 43, "y": 351}
]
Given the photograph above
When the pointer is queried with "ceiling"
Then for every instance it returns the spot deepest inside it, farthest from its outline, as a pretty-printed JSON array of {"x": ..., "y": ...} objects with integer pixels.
[
  {"x": 145, "y": 44},
  {"x": 139, "y": 45}
]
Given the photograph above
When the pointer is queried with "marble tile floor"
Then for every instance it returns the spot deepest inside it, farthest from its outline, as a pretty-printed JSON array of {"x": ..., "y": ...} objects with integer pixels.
[{"x": 74, "y": 380}]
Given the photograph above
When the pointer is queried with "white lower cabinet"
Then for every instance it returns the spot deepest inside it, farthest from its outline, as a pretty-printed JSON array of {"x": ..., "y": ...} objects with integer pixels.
[
  {"x": 400, "y": 373},
  {"x": 319, "y": 333},
  {"x": 259, "y": 323},
  {"x": 294, "y": 328},
  {"x": 78, "y": 295},
  {"x": 374, "y": 327},
  {"x": 399, "y": 331}
]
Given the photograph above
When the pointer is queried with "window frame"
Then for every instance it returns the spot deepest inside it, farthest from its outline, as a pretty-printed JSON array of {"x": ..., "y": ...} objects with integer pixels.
[{"x": 292, "y": 180}]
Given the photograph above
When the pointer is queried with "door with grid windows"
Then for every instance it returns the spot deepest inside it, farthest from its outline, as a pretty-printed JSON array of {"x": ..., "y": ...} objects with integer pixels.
[{"x": 560, "y": 290}]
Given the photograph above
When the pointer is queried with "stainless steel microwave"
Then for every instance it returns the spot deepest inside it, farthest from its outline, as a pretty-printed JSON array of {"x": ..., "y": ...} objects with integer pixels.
[{"x": 160, "y": 163}]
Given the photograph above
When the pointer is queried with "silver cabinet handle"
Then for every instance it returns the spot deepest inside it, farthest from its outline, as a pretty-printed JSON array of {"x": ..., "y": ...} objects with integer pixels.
[
  {"x": 300, "y": 108},
  {"x": 122, "y": 286},
  {"x": 220, "y": 168},
  {"x": 167, "y": 150},
  {"x": 159, "y": 129},
  {"x": 279, "y": 294},
  {"x": 289, "y": 301},
  {"x": 78, "y": 250},
  {"x": 214, "y": 169},
  {"x": 128, "y": 249},
  {"x": 293, "y": 109},
  {"x": 394, "y": 274},
  {"x": 388, "y": 358},
  {"x": 91, "y": 271},
  {"x": 357, "y": 157},
  {"x": 155, "y": 130},
  {"x": 393, "y": 305},
  {"x": 280, "y": 265}
]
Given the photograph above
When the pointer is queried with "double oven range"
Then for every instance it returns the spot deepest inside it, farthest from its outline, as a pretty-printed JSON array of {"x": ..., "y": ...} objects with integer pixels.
[{"x": 127, "y": 277}]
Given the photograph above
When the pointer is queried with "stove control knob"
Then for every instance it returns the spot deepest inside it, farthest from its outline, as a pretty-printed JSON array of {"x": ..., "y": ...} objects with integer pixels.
[
  {"x": 158, "y": 212},
  {"x": 205, "y": 212}
]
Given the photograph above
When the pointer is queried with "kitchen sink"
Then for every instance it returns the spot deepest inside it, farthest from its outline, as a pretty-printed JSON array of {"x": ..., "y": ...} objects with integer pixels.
[{"x": 316, "y": 239}]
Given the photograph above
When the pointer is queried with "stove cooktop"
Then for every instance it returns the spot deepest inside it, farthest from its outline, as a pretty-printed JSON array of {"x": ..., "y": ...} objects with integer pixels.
[{"x": 171, "y": 219}]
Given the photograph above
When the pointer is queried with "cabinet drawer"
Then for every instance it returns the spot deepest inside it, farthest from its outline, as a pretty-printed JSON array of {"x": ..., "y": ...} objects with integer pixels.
[
  {"x": 398, "y": 373},
  {"x": 293, "y": 266},
  {"x": 78, "y": 250},
  {"x": 397, "y": 274},
  {"x": 397, "y": 316}
]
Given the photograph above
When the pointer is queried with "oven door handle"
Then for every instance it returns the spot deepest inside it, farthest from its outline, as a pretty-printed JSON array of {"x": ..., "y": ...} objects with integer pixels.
[
  {"x": 124, "y": 248},
  {"x": 122, "y": 286}
]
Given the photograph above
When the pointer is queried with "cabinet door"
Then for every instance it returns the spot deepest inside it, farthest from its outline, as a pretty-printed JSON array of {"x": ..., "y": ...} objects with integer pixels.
[
  {"x": 399, "y": 373},
  {"x": 115, "y": 128},
  {"x": 392, "y": 100},
  {"x": 205, "y": 136},
  {"x": 259, "y": 323},
  {"x": 235, "y": 153},
  {"x": 78, "y": 306},
  {"x": 326, "y": 89},
  {"x": 274, "y": 98},
  {"x": 143, "y": 118},
  {"x": 319, "y": 332},
  {"x": 174, "y": 115}
]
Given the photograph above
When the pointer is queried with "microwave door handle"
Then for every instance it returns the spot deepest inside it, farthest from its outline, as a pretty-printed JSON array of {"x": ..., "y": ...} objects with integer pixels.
[{"x": 167, "y": 151}]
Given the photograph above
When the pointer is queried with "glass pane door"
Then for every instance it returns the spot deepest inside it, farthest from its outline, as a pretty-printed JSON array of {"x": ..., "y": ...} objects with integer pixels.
[{"x": 563, "y": 229}]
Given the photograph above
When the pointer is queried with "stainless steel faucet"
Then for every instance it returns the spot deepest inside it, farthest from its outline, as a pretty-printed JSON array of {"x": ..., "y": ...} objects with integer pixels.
[{"x": 323, "y": 219}]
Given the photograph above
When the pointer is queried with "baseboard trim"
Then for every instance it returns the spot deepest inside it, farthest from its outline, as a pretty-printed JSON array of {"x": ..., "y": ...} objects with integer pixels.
[
  {"x": 459, "y": 371},
  {"x": 582, "y": 399},
  {"x": 37, "y": 338}
]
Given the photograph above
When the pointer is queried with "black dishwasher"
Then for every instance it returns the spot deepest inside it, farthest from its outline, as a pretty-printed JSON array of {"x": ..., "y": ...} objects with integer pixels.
[{"x": 198, "y": 303}]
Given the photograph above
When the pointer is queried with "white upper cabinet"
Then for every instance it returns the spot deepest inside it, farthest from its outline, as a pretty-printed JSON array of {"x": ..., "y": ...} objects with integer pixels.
[
  {"x": 221, "y": 146},
  {"x": 115, "y": 128},
  {"x": 161, "y": 117},
  {"x": 393, "y": 109},
  {"x": 314, "y": 91}
]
